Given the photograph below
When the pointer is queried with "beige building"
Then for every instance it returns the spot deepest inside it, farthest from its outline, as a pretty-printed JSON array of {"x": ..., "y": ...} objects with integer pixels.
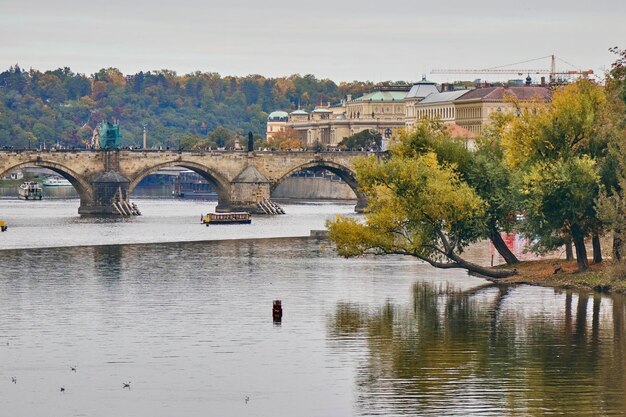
[
  {"x": 382, "y": 110},
  {"x": 391, "y": 109},
  {"x": 418, "y": 93},
  {"x": 474, "y": 108},
  {"x": 439, "y": 105},
  {"x": 276, "y": 122}
]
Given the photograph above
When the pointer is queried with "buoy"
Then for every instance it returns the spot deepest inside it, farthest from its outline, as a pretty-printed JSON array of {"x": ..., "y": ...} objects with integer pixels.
[{"x": 277, "y": 311}]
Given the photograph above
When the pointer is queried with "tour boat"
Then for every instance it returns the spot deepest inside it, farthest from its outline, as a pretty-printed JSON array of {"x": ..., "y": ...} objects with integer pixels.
[
  {"x": 56, "y": 182},
  {"x": 236, "y": 217},
  {"x": 30, "y": 190}
]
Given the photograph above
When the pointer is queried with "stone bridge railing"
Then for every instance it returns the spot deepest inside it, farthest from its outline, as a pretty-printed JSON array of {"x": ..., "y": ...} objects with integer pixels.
[{"x": 240, "y": 178}]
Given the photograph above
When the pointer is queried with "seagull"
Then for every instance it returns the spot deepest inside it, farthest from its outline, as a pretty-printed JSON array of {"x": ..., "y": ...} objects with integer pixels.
[
  {"x": 14, "y": 380},
  {"x": 62, "y": 389},
  {"x": 126, "y": 385},
  {"x": 73, "y": 368},
  {"x": 247, "y": 399}
]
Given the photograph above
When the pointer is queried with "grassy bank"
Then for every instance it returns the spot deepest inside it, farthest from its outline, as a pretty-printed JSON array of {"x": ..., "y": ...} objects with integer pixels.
[{"x": 559, "y": 273}]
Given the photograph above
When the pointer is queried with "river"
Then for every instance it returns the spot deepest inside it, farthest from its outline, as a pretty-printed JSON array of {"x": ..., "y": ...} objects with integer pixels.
[{"x": 183, "y": 312}]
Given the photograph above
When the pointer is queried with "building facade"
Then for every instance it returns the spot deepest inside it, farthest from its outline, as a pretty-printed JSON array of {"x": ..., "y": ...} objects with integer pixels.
[
  {"x": 382, "y": 110},
  {"x": 276, "y": 122},
  {"x": 474, "y": 108},
  {"x": 392, "y": 109}
]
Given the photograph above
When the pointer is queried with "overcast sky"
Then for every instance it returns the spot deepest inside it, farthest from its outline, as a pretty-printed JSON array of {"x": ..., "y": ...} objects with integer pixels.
[{"x": 338, "y": 39}]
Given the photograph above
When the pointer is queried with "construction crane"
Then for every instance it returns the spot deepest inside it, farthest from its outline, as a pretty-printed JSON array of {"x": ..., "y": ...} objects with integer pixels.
[{"x": 503, "y": 70}]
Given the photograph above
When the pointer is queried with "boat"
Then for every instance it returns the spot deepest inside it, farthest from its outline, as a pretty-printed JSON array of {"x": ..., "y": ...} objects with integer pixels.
[
  {"x": 55, "y": 181},
  {"x": 3, "y": 226},
  {"x": 236, "y": 217},
  {"x": 30, "y": 190}
]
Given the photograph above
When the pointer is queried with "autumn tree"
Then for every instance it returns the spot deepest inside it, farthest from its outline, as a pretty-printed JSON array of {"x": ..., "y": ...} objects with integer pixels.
[
  {"x": 417, "y": 207},
  {"x": 484, "y": 170},
  {"x": 286, "y": 139},
  {"x": 556, "y": 149}
]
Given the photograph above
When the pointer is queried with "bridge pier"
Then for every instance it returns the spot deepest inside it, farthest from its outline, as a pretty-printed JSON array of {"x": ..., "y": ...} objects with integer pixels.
[
  {"x": 108, "y": 187},
  {"x": 248, "y": 189}
]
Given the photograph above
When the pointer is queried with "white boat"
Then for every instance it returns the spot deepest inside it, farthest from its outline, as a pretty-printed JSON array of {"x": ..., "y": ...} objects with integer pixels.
[
  {"x": 56, "y": 182},
  {"x": 30, "y": 190}
]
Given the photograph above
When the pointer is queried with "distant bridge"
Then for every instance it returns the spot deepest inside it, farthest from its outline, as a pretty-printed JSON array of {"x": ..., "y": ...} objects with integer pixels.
[{"x": 240, "y": 178}]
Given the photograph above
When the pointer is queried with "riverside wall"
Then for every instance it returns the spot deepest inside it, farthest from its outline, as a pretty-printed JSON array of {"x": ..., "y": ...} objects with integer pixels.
[{"x": 310, "y": 188}]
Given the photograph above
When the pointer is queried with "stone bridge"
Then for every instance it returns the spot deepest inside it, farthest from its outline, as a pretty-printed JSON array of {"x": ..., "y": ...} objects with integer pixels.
[{"x": 240, "y": 178}]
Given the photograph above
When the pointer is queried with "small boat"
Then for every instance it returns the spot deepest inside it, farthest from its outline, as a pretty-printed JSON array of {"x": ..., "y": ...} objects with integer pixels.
[
  {"x": 3, "y": 226},
  {"x": 30, "y": 190},
  {"x": 55, "y": 181},
  {"x": 236, "y": 217}
]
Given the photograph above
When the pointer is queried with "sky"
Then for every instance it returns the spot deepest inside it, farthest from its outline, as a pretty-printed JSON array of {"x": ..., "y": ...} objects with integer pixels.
[{"x": 342, "y": 40}]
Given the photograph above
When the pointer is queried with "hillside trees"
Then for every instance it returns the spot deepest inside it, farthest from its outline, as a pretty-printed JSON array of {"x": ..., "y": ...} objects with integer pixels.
[{"x": 169, "y": 105}]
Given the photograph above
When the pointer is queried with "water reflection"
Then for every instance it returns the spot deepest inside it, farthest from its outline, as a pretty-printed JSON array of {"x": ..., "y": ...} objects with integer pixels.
[
  {"x": 490, "y": 352},
  {"x": 108, "y": 262}
]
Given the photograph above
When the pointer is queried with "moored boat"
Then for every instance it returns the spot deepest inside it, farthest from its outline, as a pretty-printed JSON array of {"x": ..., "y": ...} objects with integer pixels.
[
  {"x": 30, "y": 190},
  {"x": 237, "y": 217},
  {"x": 55, "y": 181}
]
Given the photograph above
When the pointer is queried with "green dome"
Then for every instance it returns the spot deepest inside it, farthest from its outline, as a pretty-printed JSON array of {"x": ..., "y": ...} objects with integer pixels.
[{"x": 278, "y": 115}]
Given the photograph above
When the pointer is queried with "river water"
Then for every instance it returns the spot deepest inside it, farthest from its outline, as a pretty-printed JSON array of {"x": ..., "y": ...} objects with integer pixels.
[{"x": 183, "y": 312}]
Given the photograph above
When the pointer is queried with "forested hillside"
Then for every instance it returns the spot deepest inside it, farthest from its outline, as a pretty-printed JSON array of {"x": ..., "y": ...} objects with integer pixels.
[{"x": 63, "y": 107}]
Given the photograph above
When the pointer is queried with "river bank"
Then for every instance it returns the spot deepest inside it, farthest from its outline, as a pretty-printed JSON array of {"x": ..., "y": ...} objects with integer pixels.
[{"x": 559, "y": 273}]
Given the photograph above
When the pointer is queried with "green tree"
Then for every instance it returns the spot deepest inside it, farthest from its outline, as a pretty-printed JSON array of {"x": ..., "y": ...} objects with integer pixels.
[
  {"x": 190, "y": 142},
  {"x": 366, "y": 139},
  {"x": 560, "y": 203},
  {"x": 221, "y": 137},
  {"x": 493, "y": 181},
  {"x": 612, "y": 201}
]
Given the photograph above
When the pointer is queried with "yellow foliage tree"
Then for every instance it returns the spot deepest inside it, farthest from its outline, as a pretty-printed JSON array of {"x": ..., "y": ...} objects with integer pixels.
[{"x": 417, "y": 207}]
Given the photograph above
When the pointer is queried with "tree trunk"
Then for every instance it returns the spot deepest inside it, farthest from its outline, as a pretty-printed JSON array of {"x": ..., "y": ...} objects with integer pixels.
[
  {"x": 581, "y": 254},
  {"x": 501, "y": 247},
  {"x": 569, "y": 253},
  {"x": 597, "y": 250},
  {"x": 617, "y": 245},
  {"x": 486, "y": 271},
  {"x": 458, "y": 262}
]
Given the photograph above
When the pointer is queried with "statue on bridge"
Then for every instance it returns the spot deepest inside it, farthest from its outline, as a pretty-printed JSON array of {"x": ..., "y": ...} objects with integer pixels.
[{"x": 106, "y": 136}]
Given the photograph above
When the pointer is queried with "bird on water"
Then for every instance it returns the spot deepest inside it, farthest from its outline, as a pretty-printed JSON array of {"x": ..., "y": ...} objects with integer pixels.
[{"x": 73, "y": 368}]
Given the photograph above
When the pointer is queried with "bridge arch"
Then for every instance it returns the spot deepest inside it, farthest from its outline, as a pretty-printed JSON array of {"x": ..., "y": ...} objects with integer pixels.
[
  {"x": 343, "y": 172},
  {"x": 80, "y": 184},
  {"x": 221, "y": 184}
]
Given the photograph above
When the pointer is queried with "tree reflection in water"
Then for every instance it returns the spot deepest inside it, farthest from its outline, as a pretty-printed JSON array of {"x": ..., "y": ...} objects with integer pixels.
[{"x": 498, "y": 350}]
